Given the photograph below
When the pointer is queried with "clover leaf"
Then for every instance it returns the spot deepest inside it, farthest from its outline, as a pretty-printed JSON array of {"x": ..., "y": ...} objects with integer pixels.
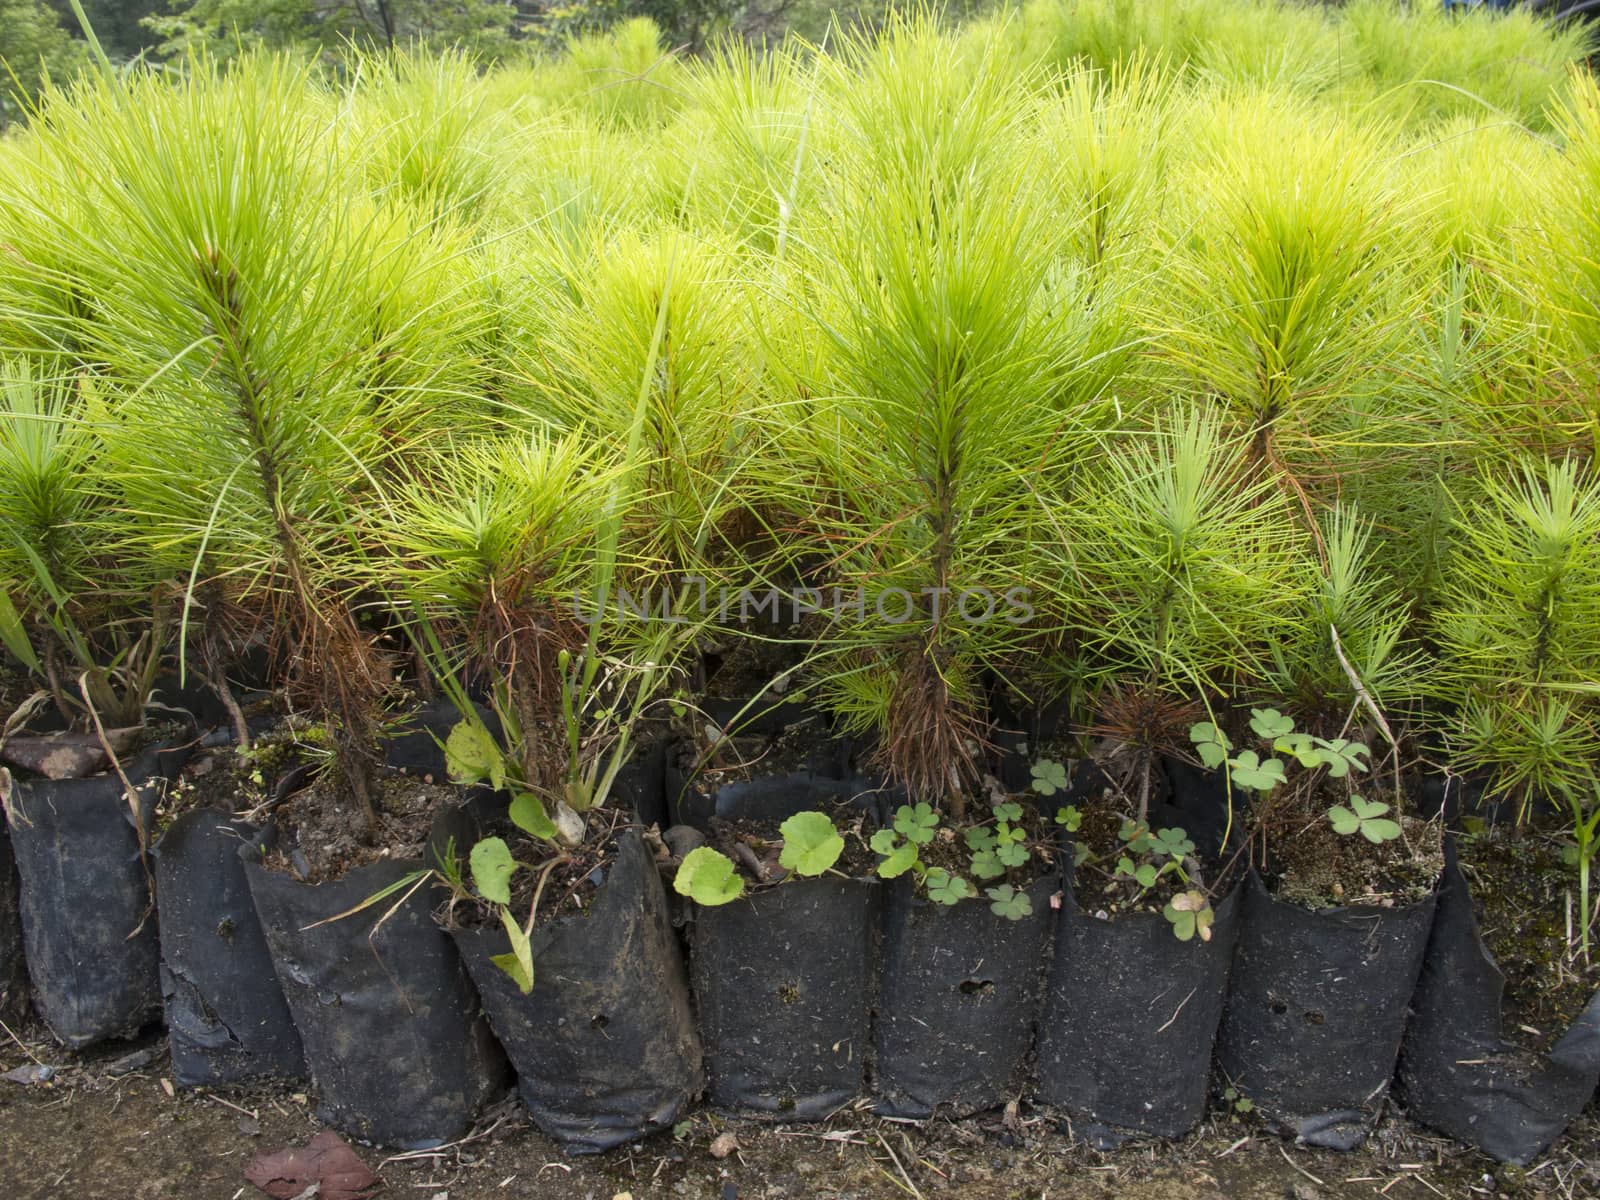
[
  {"x": 1009, "y": 902},
  {"x": 1012, "y": 854},
  {"x": 1269, "y": 723},
  {"x": 1190, "y": 913},
  {"x": 898, "y": 857},
  {"x": 916, "y": 824},
  {"x": 980, "y": 837},
  {"x": 945, "y": 888},
  {"x": 1210, "y": 743},
  {"x": 1069, "y": 818},
  {"x": 1250, "y": 772},
  {"x": 1341, "y": 757},
  {"x": 1049, "y": 777},
  {"x": 1174, "y": 843},
  {"x": 1365, "y": 817},
  {"x": 986, "y": 865}
]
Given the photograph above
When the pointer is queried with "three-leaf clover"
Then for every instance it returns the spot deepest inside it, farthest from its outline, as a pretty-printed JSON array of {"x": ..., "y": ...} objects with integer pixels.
[
  {"x": 810, "y": 843},
  {"x": 945, "y": 888},
  {"x": 1069, "y": 818},
  {"x": 1366, "y": 818},
  {"x": 898, "y": 857},
  {"x": 986, "y": 865},
  {"x": 1145, "y": 874},
  {"x": 1269, "y": 723},
  {"x": 1250, "y": 772},
  {"x": 1008, "y": 810},
  {"x": 1012, "y": 854},
  {"x": 1174, "y": 843},
  {"x": 916, "y": 824},
  {"x": 1190, "y": 913},
  {"x": 1049, "y": 777},
  {"x": 1210, "y": 743},
  {"x": 708, "y": 877},
  {"x": 1341, "y": 756},
  {"x": 1008, "y": 902}
]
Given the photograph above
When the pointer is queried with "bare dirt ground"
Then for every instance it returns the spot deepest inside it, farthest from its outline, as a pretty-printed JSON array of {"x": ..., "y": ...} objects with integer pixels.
[{"x": 106, "y": 1128}]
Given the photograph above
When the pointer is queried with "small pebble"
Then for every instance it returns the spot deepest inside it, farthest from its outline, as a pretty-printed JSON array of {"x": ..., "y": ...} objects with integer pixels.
[{"x": 723, "y": 1145}]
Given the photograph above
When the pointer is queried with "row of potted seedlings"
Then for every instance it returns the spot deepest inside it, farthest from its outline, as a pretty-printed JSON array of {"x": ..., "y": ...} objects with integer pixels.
[
  {"x": 1231, "y": 882},
  {"x": 827, "y": 948}
]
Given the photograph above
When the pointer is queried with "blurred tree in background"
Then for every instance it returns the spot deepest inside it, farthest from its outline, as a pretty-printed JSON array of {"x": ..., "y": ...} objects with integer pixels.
[
  {"x": 40, "y": 38},
  {"x": 33, "y": 45},
  {"x": 485, "y": 28}
]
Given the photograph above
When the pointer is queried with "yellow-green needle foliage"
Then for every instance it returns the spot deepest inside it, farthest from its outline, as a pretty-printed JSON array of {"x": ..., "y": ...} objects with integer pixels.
[
  {"x": 1189, "y": 563},
  {"x": 1516, "y": 629}
]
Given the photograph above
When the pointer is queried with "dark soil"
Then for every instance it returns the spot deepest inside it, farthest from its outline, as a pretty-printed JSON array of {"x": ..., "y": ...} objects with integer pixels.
[
  {"x": 749, "y": 842},
  {"x": 15, "y": 687},
  {"x": 96, "y": 1134},
  {"x": 1096, "y": 886},
  {"x": 569, "y": 878},
  {"x": 948, "y": 849},
  {"x": 1311, "y": 865},
  {"x": 738, "y": 666},
  {"x": 1526, "y": 895},
  {"x": 322, "y": 834},
  {"x": 242, "y": 785}
]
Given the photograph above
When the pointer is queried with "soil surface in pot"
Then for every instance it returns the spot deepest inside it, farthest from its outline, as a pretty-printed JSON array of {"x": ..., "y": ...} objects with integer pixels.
[
  {"x": 323, "y": 835},
  {"x": 1311, "y": 865},
  {"x": 103, "y": 1129},
  {"x": 565, "y": 881},
  {"x": 755, "y": 846},
  {"x": 243, "y": 785},
  {"x": 1097, "y": 887},
  {"x": 1525, "y": 894}
]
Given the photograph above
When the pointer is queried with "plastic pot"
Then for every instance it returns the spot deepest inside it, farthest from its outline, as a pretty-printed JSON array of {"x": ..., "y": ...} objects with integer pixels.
[
  {"x": 784, "y": 978},
  {"x": 604, "y": 1045},
  {"x": 959, "y": 997},
  {"x": 1317, "y": 1010},
  {"x": 393, "y": 1035},
  {"x": 88, "y": 918},
  {"x": 825, "y": 781},
  {"x": 1130, "y": 1018},
  {"x": 227, "y": 1021},
  {"x": 13, "y": 964},
  {"x": 1460, "y": 1074}
]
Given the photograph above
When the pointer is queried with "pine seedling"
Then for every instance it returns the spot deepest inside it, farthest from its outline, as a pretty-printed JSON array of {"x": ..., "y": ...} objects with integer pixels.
[
  {"x": 927, "y": 459},
  {"x": 234, "y": 277},
  {"x": 1515, "y": 628}
]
